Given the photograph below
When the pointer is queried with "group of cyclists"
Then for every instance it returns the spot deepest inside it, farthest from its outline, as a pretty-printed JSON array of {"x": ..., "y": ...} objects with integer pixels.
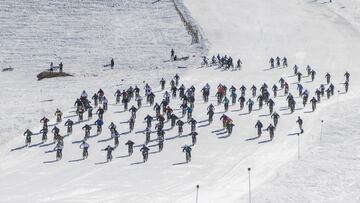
[{"x": 164, "y": 109}]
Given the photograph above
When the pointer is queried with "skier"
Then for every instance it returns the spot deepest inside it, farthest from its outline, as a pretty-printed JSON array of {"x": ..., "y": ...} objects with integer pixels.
[
  {"x": 259, "y": 127},
  {"x": 187, "y": 150},
  {"x": 108, "y": 150},
  {"x": 145, "y": 153},
  {"x": 300, "y": 122},
  {"x": 148, "y": 120},
  {"x": 69, "y": 123},
  {"x": 130, "y": 145},
  {"x": 84, "y": 146}
]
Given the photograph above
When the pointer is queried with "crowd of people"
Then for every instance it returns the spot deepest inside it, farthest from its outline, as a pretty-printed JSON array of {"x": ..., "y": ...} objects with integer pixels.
[{"x": 163, "y": 111}]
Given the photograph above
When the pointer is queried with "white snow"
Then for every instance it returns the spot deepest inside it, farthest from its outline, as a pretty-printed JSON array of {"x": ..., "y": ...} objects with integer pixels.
[{"x": 306, "y": 32}]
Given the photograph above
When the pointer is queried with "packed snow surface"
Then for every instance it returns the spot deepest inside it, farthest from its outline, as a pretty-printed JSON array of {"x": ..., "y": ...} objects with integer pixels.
[{"x": 306, "y": 32}]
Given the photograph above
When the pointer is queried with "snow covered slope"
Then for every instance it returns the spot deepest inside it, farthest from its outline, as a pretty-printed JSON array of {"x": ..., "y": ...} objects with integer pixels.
[
  {"x": 84, "y": 35},
  {"x": 305, "y": 32}
]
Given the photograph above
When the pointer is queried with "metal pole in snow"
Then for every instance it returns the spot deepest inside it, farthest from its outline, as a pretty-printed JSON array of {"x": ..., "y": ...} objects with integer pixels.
[
  {"x": 249, "y": 169},
  {"x": 197, "y": 193},
  {"x": 321, "y": 129},
  {"x": 298, "y": 146}
]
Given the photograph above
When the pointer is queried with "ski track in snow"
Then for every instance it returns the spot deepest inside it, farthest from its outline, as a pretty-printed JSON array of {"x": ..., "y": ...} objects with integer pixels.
[{"x": 327, "y": 172}]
